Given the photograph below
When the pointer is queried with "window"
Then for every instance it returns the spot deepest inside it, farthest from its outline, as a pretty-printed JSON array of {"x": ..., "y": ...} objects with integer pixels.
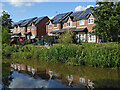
[
  {"x": 91, "y": 21},
  {"x": 32, "y": 27},
  {"x": 82, "y": 37},
  {"x": 91, "y": 38},
  {"x": 69, "y": 23},
  {"x": 82, "y": 22},
  {"x": 14, "y": 28},
  {"x": 22, "y": 28},
  {"x": 11, "y": 30},
  {"x": 18, "y": 28},
  {"x": 50, "y": 26},
  {"x": 55, "y": 25},
  {"x": 29, "y": 28},
  {"x": 33, "y": 36}
]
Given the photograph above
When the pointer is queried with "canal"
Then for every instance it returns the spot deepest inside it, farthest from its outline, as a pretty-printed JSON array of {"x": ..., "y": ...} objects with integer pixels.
[{"x": 42, "y": 74}]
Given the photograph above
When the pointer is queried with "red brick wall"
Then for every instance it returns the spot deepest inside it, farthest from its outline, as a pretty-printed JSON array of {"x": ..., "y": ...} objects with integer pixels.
[
  {"x": 69, "y": 20},
  {"x": 41, "y": 27}
]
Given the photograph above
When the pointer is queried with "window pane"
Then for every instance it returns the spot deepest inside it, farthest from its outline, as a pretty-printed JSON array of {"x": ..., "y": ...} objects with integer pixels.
[
  {"x": 55, "y": 25},
  {"x": 50, "y": 26},
  {"x": 82, "y": 22}
]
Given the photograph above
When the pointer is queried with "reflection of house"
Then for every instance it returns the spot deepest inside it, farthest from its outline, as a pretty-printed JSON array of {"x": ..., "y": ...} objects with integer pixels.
[
  {"x": 23, "y": 67},
  {"x": 29, "y": 68},
  {"x": 15, "y": 66},
  {"x": 30, "y": 29},
  {"x": 80, "y": 23},
  {"x": 70, "y": 79},
  {"x": 83, "y": 80}
]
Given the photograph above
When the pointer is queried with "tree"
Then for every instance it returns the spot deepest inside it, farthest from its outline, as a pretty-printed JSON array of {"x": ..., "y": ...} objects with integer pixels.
[
  {"x": 6, "y": 25},
  {"x": 5, "y": 35},
  {"x": 6, "y": 21},
  {"x": 65, "y": 38},
  {"x": 108, "y": 20}
]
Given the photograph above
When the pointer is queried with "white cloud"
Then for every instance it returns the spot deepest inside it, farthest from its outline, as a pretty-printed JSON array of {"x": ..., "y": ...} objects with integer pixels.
[
  {"x": 79, "y": 8},
  {"x": 1, "y": 12},
  {"x": 20, "y": 4},
  {"x": 1, "y": 5},
  {"x": 29, "y": 4}
]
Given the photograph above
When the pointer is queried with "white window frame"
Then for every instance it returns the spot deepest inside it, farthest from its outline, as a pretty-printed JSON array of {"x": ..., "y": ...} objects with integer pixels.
[
  {"x": 15, "y": 29},
  {"x": 50, "y": 27},
  {"x": 91, "y": 38},
  {"x": 55, "y": 26},
  {"x": 33, "y": 36},
  {"x": 91, "y": 21},
  {"x": 83, "y": 22},
  {"x": 11, "y": 30},
  {"x": 32, "y": 27},
  {"x": 82, "y": 37},
  {"x": 22, "y": 28},
  {"x": 18, "y": 28},
  {"x": 69, "y": 24},
  {"x": 28, "y": 28}
]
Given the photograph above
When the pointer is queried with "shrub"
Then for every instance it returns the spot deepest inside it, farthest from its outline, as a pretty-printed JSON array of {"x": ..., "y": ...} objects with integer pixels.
[{"x": 101, "y": 55}]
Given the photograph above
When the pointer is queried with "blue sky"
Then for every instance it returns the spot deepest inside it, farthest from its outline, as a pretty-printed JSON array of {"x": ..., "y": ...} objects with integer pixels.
[{"x": 24, "y": 10}]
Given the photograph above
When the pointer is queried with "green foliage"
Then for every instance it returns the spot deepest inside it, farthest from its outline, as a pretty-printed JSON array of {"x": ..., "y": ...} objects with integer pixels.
[
  {"x": 66, "y": 38},
  {"x": 7, "y": 51},
  {"x": 6, "y": 25},
  {"x": 5, "y": 35},
  {"x": 6, "y": 21},
  {"x": 108, "y": 20},
  {"x": 102, "y": 55}
]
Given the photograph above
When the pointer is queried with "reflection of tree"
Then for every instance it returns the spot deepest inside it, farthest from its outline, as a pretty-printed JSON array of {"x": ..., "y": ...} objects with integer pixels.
[{"x": 6, "y": 75}]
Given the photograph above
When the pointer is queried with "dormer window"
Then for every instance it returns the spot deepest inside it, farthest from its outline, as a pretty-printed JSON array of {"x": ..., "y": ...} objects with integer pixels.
[
  {"x": 91, "y": 21},
  {"x": 82, "y": 22},
  {"x": 14, "y": 28},
  {"x": 29, "y": 28},
  {"x": 32, "y": 27},
  {"x": 50, "y": 26},
  {"x": 18, "y": 28},
  {"x": 22, "y": 28},
  {"x": 55, "y": 25},
  {"x": 69, "y": 23}
]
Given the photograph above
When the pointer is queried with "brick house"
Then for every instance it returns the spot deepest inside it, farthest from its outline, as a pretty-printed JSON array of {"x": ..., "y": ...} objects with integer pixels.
[
  {"x": 80, "y": 23},
  {"x": 30, "y": 29},
  {"x": 56, "y": 23}
]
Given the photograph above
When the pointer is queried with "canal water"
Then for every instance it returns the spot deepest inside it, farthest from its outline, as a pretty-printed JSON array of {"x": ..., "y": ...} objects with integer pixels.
[{"x": 42, "y": 74}]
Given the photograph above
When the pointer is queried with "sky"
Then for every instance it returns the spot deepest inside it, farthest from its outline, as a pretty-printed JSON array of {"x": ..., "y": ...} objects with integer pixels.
[{"x": 23, "y": 10}]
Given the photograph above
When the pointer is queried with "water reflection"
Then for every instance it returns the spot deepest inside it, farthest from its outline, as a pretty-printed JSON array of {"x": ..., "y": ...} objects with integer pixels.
[
  {"x": 51, "y": 77},
  {"x": 59, "y": 75}
]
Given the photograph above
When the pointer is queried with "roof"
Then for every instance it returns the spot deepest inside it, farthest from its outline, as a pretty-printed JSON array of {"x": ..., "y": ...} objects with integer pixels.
[
  {"x": 24, "y": 22},
  {"x": 79, "y": 15},
  {"x": 84, "y": 29},
  {"x": 17, "y": 33},
  {"x": 26, "y": 33},
  {"x": 59, "y": 18},
  {"x": 27, "y": 21},
  {"x": 36, "y": 21}
]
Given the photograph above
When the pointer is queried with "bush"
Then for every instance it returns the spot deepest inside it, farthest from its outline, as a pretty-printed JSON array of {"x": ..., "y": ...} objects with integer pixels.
[{"x": 101, "y": 55}]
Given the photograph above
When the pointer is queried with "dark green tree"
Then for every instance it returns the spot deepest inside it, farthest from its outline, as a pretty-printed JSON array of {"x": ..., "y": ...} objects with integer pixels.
[
  {"x": 6, "y": 23},
  {"x": 107, "y": 20}
]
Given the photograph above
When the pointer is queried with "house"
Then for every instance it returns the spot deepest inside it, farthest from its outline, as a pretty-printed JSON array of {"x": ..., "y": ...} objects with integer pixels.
[
  {"x": 80, "y": 23},
  {"x": 30, "y": 29},
  {"x": 56, "y": 23}
]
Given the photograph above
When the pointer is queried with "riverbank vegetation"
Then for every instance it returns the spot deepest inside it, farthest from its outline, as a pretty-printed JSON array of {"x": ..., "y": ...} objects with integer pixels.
[{"x": 96, "y": 55}]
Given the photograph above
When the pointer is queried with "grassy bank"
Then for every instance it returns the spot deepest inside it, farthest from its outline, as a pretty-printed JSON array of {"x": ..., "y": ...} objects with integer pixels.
[{"x": 102, "y": 55}]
